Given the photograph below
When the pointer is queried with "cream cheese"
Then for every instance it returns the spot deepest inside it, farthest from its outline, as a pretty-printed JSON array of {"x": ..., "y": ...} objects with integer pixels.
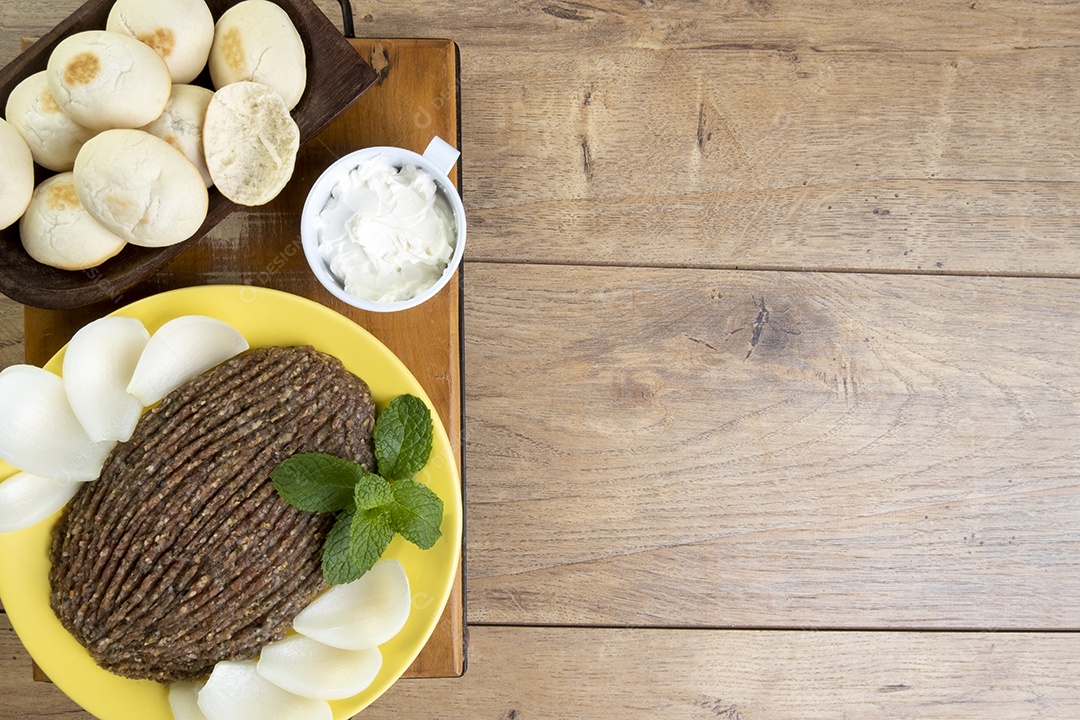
[{"x": 387, "y": 234}]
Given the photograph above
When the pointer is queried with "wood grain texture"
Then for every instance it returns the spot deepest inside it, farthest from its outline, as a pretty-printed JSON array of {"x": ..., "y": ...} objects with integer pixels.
[
  {"x": 645, "y": 674},
  {"x": 717, "y": 449},
  {"x": 555, "y": 673},
  {"x": 11, "y": 335},
  {"x": 24, "y": 691},
  {"x": 778, "y": 159},
  {"x": 825, "y": 25},
  {"x": 921, "y": 137}
]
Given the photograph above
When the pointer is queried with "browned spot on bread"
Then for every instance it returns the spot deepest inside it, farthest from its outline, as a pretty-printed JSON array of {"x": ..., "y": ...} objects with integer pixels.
[
  {"x": 48, "y": 102},
  {"x": 172, "y": 140},
  {"x": 163, "y": 40},
  {"x": 232, "y": 50},
  {"x": 61, "y": 196},
  {"x": 121, "y": 209},
  {"x": 82, "y": 69}
]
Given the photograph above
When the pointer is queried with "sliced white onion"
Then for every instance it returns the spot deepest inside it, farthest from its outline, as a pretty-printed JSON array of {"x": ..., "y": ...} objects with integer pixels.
[
  {"x": 27, "y": 499},
  {"x": 181, "y": 349},
  {"x": 236, "y": 691},
  {"x": 362, "y": 614},
  {"x": 98, "y": 365},
  {"x": 184, "y": 701},
  {"x": 39, "y": 432},
  {"x": 311, "y": 669}
]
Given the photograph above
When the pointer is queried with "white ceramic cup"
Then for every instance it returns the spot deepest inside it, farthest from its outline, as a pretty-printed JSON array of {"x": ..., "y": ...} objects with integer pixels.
[{"x": 437, "y": 161}]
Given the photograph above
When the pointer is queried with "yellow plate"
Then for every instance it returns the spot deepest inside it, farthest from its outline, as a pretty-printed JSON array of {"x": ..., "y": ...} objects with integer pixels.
[{"x": 265, "y": 317}]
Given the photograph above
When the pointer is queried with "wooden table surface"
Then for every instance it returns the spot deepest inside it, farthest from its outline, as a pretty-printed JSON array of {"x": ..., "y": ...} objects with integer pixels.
[{"x": 772, "y": 359}]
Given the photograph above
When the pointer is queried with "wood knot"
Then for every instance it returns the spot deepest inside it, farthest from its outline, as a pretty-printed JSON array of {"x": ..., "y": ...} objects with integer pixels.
[
  {"x": 761, "y": 7},
  {"x": 564, "y": 13},
  {"x": 380, "y": 61},
  {"x": 764, "y": 330}
]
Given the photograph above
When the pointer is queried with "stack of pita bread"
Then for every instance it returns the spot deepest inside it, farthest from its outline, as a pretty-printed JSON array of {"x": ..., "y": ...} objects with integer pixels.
[{"x": 134, "y": 145}]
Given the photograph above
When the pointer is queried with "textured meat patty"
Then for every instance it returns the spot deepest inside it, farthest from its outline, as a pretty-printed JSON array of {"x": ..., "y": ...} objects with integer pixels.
[{"x": 182, "y": 553}]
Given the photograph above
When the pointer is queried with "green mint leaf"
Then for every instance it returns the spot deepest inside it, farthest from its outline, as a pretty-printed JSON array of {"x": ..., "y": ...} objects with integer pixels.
[
  {"x": 416, "y": 513},
  {"x": 316, "y": 482},
  {"x": 371, "y": 491},
  {"x": 403, "y": 433},
  {"x": 369, "y": 534},
  {"x": 337, "y": 565}
]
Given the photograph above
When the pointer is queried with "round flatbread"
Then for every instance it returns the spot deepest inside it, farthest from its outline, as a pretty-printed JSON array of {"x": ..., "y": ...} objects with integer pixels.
[
  {"x": 180, "y": 31},
  {"x": 108, "y": 80},
  {"x": 17, "y": 179},
  {"x": 54, "y": 138},
  {"x": 56, "y": 229},
  {"x": 140, "y": 187},
  {"x": 181, "y": 124},
  {"x": 256, "y": 40},
  {"x": 250, "y": 141}
]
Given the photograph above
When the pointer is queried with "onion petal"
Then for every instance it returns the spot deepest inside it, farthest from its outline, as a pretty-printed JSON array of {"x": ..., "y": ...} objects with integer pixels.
[
  {"x": 311, "y": 669},
  {"x": 362, "y": 614},
  {"x": 27, "y": 499},
  {"x": 236, "y": 691},
  {"x": 98, "y": 365},
  {"x": 181, "y": 349},
  {"x": 39, "y": 432},
  {"x": 184, "y": 701}
]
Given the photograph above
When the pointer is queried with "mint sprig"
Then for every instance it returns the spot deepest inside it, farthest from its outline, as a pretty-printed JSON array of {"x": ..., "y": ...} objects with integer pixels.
[{"x": 371, "y": 508}]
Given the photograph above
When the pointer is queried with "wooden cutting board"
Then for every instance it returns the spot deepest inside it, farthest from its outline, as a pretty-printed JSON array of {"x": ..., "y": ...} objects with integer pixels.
[{"x": 415, "y": 99}]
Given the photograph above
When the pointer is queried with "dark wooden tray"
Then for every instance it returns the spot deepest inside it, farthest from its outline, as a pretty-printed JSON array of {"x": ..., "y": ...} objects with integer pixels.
[{"x": 336, "y": 77}]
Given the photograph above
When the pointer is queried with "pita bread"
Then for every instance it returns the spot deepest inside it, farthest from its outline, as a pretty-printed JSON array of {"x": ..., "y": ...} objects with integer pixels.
[
  {"x": 56, "y": 229},
  {"x": 251, "y": 142},
  {"x": 106, "y": 80},
  {"x": 54, "y": 138},
  {"x": 17, "y": 179},
  {"x": 181, "y": 124},
  {"x": 180, "y": 31},
  {"x": 256, "y": 40},
  {"x": 140, "y": 187}
]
